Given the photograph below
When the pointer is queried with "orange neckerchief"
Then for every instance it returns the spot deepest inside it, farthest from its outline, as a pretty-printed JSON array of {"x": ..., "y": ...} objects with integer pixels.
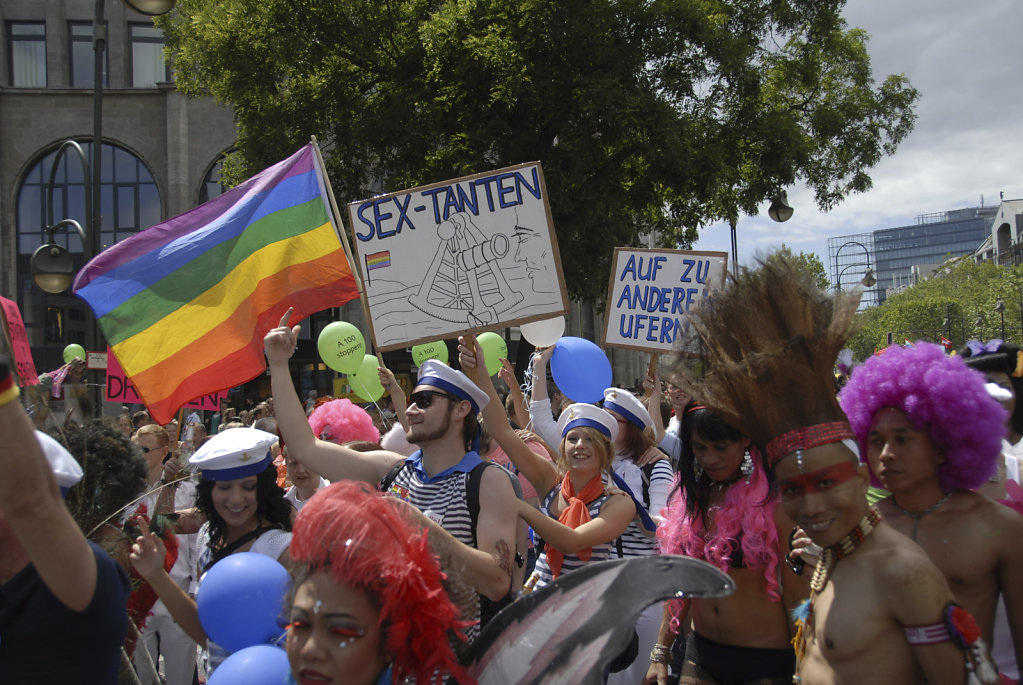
[{"x": 574, "y": 515}]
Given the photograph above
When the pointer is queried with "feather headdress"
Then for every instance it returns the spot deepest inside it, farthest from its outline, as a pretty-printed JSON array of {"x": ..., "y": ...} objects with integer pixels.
[{"x": 765, "y": 348}]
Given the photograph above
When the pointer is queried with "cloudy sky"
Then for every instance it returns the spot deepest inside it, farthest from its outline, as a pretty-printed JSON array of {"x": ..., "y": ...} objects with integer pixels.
[{"x": 963, "y": 57}]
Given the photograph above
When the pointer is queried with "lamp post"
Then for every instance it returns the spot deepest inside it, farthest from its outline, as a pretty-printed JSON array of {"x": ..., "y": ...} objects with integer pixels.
[
  {"x": 779, "y": 211},
  {"x": 1000, "y": 308},
  {"x": 869, "y": 280},
  {"x": 51, "y": 265}
]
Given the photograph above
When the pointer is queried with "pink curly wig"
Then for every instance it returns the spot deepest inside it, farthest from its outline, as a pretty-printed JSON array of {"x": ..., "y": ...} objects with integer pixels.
[
  {"x": 747, "y": 517},
  {"x": 363, "y": 540},
  {"x": 341, "y": 421},
  {"x": 937, "y": 393}
]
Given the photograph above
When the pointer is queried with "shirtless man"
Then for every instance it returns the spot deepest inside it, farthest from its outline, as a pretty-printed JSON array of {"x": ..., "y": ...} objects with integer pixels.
[
  {"x": 442, "y": 418},
  {"x": 930, "y": 447},
  {"x": 856, "y": 628}
]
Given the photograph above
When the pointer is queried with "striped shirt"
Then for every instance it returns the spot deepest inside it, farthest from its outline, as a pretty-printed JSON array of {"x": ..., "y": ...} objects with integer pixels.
[
  {"x": 634, "y": 543},
  {"x": 442, "y": 499},
  {"x": 600, "y": 552}
]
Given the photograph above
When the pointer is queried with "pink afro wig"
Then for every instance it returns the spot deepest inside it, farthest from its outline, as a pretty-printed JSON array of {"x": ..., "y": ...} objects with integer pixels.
[
  {"x": 363, "y": 540},
  {"x": 342, "y": 421},
  {"x": 939, "y": 394}
]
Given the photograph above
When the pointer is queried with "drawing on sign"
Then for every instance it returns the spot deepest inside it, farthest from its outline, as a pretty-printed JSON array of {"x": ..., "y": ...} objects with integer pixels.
[{"x": 464, "y": 283}]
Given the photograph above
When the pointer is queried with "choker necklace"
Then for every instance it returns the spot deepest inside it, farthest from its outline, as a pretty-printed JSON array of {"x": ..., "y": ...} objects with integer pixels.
[
  {"x": 917, "y": 515},
  {"x": 842, "y": 549}
]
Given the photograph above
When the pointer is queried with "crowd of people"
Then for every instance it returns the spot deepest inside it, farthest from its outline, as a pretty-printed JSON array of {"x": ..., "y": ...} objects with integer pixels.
[{"x": 406, "y": 534}]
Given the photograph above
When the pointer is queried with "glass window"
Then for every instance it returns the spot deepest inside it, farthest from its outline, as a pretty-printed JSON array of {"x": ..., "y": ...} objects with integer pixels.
[
  {"x": 83, "y": 56},
  {"x": 130, "y": 201},
  {"x": 211, "y": 185},
  {"x": 27, "y": 54},
  {"x": 147, "y": 65}
]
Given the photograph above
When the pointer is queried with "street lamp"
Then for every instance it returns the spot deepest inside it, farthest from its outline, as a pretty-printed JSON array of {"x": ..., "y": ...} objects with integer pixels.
[
  {"x": 779, "y": 211},
  {"x": 1000, "y": 308}
]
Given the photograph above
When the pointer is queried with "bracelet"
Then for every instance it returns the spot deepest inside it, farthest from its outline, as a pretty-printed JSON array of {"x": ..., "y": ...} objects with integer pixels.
[{"x": 660, "y": 654}]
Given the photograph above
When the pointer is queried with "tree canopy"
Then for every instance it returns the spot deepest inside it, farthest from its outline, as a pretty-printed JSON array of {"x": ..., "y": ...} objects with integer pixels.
[
  {"x": 959, "y": 303},
  {"x": 646, "y": 115}
]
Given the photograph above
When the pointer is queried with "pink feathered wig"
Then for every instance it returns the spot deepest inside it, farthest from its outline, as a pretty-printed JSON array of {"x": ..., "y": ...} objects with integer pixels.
[
  {"x": 364, "y": 540},
  {"x": 938, "y": 394},
  {"x": 341, "y": 421}
]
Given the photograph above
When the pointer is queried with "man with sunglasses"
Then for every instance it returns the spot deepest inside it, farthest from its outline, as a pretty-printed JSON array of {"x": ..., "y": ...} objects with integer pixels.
[{"x": 442, "y": 415}]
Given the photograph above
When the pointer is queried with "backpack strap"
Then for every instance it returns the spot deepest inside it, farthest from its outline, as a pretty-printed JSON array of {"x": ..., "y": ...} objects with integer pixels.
[{"x": 385, "y": 483}]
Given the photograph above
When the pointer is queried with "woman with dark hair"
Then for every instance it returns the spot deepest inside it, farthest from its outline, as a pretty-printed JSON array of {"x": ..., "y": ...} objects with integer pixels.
[
  {"x": 243, "y": 510},
  {"x": 723, "y": 511}
]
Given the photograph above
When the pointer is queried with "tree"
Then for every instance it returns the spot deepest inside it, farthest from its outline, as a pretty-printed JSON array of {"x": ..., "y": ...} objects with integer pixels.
[
  {"x": 958, "y": 303},
  {"x": 647, "y": 116},
  {"x": 810, "y": 262}
]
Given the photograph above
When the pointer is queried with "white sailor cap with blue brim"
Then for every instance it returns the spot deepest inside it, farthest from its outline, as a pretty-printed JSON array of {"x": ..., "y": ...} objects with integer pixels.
[
  {"x": 629, "y": 406},
  {"x": 66, "y": 468},
  {"x": 233, "y": 454},
  {"x": 579, "y": 414},
  {"x": 441, "y": 376}
]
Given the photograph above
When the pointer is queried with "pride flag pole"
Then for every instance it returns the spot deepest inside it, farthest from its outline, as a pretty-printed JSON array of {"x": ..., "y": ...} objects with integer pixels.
[{"x": 339, "y": 226}]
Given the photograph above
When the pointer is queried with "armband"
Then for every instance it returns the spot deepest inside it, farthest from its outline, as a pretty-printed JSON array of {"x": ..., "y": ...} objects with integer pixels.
[{"x": 927, "y": 635}]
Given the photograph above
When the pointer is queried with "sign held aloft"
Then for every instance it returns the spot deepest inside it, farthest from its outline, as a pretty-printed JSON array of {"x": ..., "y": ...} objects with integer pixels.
[
  {"x": 652, "y": 291},
  {"x": 461, "y": 256}
]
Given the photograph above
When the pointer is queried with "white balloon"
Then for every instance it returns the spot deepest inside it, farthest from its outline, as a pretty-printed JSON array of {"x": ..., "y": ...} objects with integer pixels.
[{"x": 543, "y": 333}]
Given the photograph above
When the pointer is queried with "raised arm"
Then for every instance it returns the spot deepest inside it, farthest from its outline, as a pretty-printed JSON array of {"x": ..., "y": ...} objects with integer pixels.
[
  {"x": 542, "y": 474},
  {"x": 33, "y": 508},
  {"x": 612, "y": 521},
  {"x": 147, "y": 556},
  {"x": 540, "y": 413},
  {"x": 507, "y": 375},
  {"x": 398, "y": 400},
  {"x": 330, "y": 460}
]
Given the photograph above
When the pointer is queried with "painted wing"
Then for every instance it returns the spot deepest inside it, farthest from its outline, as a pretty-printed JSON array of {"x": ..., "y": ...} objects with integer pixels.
[{"x": 567, "y": 632}]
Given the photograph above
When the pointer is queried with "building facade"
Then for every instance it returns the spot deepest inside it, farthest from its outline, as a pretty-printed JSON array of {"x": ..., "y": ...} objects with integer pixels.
[{"x": 902, "y": 255}]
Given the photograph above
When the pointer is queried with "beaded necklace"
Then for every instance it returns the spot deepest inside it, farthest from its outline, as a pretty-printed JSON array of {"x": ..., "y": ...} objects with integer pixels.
[{"x": 825, "y": 564}]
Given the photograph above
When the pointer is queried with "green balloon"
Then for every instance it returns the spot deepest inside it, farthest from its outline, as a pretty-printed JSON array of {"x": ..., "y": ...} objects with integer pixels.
[
  {"x": 494, "y": 348},
  {"x": 73, "y": 351},
  {"x": 341, "y": 346},
  {"x": 432, "y": 350},
  {"x": 365, "y": 381}
]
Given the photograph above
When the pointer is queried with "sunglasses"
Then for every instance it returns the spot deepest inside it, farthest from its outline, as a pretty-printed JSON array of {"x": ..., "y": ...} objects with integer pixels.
[
  {"x": 147, "y": 450},
  {"x": 424, "y": 398}
]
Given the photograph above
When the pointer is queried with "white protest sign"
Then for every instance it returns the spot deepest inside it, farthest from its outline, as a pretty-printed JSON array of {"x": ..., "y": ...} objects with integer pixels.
[
  {"x": 652, "y": 291},
  {"x": 463, "y": 256}
]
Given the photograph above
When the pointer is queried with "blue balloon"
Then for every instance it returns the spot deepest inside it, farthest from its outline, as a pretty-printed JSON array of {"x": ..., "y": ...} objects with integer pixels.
[
  {"x": 240, "y": 600},
  {"x": 580, "y": 369},
  {"x": 259, "y": 665}
]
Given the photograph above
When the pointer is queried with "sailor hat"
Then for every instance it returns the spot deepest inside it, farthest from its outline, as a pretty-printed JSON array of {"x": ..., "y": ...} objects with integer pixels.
[
  {"x": 580, "y": 414},
  {"x": 233, "y": 454},
  {"x": 65, "y": 467},
  {"x": 442, "y": 376},
  {"x": 628, "y": 405}
]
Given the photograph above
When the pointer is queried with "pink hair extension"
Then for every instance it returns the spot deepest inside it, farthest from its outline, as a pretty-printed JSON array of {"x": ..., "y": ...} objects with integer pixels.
[
  {"x": 362, "y": 539},
  {"x": 937, "y": 393},
  {"x": 341, "y": 421},
  {"x": 747, "y": 515}
]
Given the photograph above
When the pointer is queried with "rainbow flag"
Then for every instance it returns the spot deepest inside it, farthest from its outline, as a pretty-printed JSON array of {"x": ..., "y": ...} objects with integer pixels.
[
  {"x": 184, "y": 305},
  {"x": 378, "y": 260}
]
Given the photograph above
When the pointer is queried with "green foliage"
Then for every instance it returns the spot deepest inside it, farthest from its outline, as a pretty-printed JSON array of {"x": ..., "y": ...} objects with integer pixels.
[
  {"x": 647, "y": 116},
  {"x": 811, "y": 263},
  {"x": 958, "y": 303}
]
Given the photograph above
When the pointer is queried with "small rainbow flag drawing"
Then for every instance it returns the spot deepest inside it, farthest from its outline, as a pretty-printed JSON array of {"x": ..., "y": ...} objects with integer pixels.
[{"x": 378, "y": 260}]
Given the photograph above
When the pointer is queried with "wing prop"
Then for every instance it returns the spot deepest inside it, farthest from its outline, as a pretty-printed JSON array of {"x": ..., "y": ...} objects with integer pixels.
[{"x": 570, "y": 630}]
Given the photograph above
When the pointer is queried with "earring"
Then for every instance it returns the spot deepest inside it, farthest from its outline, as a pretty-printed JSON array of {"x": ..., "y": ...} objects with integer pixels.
[
  {"x": 747, "y": 466},
  {"x": 697, "y": 470}
]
